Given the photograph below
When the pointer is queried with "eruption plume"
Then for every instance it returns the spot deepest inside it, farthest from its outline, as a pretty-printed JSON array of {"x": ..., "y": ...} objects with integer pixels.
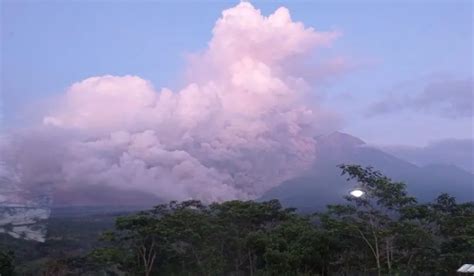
[{"x": 242, "y": 124}]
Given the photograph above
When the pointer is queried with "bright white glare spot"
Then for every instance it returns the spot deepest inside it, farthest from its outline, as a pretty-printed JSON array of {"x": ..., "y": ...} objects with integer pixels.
[{"x": 357, "y": 193}]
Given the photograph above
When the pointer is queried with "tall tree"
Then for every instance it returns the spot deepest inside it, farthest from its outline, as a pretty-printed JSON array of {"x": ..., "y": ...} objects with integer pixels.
[{"x": 373, "y": 218}]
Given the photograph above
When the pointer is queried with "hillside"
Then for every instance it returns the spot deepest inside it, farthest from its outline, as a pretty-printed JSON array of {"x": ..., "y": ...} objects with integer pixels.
[{"x": 323, "y": 184}]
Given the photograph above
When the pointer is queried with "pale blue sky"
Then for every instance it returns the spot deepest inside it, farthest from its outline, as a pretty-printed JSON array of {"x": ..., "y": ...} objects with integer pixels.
[{"x": 399, "y": 47}]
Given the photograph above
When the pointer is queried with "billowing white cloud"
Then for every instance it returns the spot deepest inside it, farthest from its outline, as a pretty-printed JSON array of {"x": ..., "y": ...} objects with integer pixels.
[{"x": 242, "y": 125}]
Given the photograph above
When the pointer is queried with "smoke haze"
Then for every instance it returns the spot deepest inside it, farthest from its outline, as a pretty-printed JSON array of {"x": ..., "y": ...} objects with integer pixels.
[{"x": 242, "y": 124}]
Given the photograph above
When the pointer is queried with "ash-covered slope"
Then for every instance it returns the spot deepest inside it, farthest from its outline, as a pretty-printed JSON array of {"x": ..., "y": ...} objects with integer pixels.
[
  {"x": 323, "y": 183},
  {"x": 24, "y": 222},
  {"x": 22, "y": 214}
]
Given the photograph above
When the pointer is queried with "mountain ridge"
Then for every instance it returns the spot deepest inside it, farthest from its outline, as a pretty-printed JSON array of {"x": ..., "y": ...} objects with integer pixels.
[{"x": 323, "y": 184}]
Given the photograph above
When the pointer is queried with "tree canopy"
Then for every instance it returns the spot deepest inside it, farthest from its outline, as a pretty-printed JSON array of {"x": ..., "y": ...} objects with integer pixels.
[{"x": 385, "y": 231}]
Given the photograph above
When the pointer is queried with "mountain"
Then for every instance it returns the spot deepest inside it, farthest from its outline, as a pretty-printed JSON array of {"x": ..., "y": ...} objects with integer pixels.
[
  {"x": 323, "y": 184},
  {"x": 459, "y": 152}
]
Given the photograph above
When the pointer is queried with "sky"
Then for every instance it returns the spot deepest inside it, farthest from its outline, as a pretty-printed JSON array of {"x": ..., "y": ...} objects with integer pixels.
[{"x": 404, "y": 74}]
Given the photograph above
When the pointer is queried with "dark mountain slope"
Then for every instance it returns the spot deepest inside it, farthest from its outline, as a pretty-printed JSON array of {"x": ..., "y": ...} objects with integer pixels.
[{"x": 323, "y": 183}]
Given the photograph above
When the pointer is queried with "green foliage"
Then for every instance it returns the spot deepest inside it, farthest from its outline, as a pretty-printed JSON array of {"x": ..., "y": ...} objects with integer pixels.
[
  {"x": 451, "y": 226},
  {"x": 7, "y": 266},
  {"x": 394, "y": 232},
  {"x": 385, "y": 232},
  {"x": 371, "y": 221},
  {"x": 191, "y": 238}
]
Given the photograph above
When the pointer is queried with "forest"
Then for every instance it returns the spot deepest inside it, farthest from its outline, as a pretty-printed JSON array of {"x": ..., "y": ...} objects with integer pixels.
[{"x": 383, "y": 232}]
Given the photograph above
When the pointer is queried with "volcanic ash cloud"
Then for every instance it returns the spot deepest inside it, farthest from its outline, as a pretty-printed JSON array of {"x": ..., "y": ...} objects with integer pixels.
[{"x": 242, "y": 125}]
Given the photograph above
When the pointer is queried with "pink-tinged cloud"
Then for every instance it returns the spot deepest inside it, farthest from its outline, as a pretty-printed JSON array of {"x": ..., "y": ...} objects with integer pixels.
[{"x": 242, "y": 125}]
